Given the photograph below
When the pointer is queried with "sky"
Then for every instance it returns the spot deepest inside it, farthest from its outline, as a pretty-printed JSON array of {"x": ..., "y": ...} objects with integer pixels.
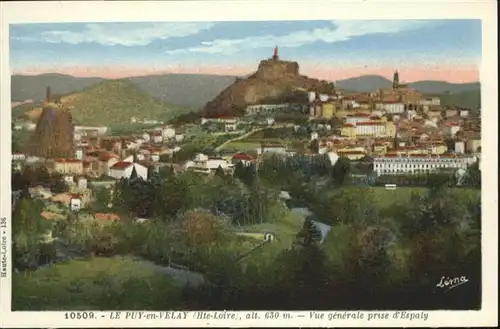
[{"x": 448, "y": 50}]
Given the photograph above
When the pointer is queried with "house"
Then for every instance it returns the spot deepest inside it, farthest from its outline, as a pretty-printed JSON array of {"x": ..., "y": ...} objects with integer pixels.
[
  {"x": 168, "y": 133},
  {"x": 157, "y": 137},
  {"x": 123, "y": 169},
  {"x": 68, "y": 166},
  {"x": 75, "y": 202},
  {"x": 459, "y": 146},
  {"x": 272, "y": 148},
  {"x": 393, "y": 107},
  {"x": 473, "y": 144},
  {"x": 81, "y": 182},
  {"x": 68, "y": 179},
  {"x": 230, "y": 125},
  {"x": 451, "y": 112},
  {"x": 245, "y": 159},
  {"x": 146, "y": 137},
  {"x": 464, "y": 113},
  {"x": 106, "y": 161},
  {"x": 18, "y": 157},
  {"x": 79, "y": 154},
  {"x": 179, "y": 137}
]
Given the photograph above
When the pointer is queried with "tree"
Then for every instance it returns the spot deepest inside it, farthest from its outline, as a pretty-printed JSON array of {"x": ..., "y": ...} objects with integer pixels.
[
  {"x": 200, "y": 229},
  {"x": 220, "y": 172},
  {"x": 314, "y": 146},
  {"x": 171, "y": 197},
  {"x": 134, "y": 174},
  {"x": 340, "y": 171},
  {"x": 309, "y": 234}
]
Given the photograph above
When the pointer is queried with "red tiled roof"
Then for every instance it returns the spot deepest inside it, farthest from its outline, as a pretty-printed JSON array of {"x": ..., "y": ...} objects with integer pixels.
[
  {"x": 67, "y": 160},
  {"x": 369, "y": 123},
  {"x": 360, "y": 115},
  {"x": 122, "y": 165},
  {"x": 107, "y": 156},
  {"x": 351, "y": 152},
  {"x": 75, "y": 195},
  {"x": 347, "y": 125},
  {"x": 243, "y": 156}
]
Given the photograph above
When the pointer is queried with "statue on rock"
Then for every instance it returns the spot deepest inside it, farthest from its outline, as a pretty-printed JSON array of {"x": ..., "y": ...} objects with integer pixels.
[{"x": 275, "y": 55}]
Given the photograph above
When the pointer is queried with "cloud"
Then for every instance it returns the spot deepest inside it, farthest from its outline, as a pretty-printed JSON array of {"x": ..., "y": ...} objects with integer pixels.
[
  {"x": 123, "y": 34},
  {"x": 337, "y": 32}
]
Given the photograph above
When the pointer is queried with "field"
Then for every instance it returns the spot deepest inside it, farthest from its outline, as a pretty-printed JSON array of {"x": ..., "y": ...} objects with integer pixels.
[
  {"x": 385, "y": 198},
  {"x": 92, "y": 284},
  {"x": 284, "y": 232},
  {"x": 242, "y": 145}
]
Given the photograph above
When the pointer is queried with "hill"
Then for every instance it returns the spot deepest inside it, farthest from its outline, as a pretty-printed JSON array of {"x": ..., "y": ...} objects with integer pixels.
[
  {"x": 33, "y": 87},
  {"x": 442, "y": 87},
  {"x": 113, "y": 102},
  {"x": 363, "y": 83},
  {"x": 189, "y": 90},
  {"x": 366, "y": 83},
  {"x": 274, "y": 80},
  {"x": 468, "y": 99}
]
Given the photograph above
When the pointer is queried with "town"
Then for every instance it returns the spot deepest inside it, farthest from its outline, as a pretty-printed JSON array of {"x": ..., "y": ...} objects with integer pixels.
[{"x": 227, "y": 200}]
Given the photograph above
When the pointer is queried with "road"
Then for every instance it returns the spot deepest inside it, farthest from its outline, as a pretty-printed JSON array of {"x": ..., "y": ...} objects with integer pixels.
[{"x": 322, "y": 227}]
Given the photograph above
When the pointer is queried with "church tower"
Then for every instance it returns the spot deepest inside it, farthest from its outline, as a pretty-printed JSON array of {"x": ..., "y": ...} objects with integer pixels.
[{"x": 395, "y": 80}]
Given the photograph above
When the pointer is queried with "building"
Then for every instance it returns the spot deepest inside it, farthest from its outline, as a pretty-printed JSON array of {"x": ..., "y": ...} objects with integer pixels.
[
  {"x": 272, "y": 148},
  {"x": 244, "y": 158},
  {"x": 68, "y": 166},
  {"x": 351, "y": 155},
  {"x": 459, "y": 147},
  {"x": 430, "y": 101},
  {"x": 265, "y": 109},
  {"x": 393, "y": 164},
  {"x": 370, "y": 128},
  {"x": 348, "y": 130},
  {"x": 473, "y": 145},
  {"x": 124, "y": 169},
  {"x": 105, "y": 162},
  {"x": 75, "y": 202},
  {"x": 393, "y": 107}
]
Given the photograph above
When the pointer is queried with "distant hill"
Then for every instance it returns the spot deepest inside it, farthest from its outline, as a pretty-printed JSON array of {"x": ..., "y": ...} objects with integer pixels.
[
  {"x": 113, "y": 102},
  {"x": 468, "y": 99},
  {"x": 363, "y": 83},
  {"x": 190, "y": 90},
  {"x": 194, "y": 91},
  {"x": 441, "y": 87},
  {"x": 33, "y": 87},
  {"x": 368, "y": 83}
]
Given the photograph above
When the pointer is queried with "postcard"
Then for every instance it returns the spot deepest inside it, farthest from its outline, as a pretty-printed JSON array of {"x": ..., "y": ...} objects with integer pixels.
[{"x": 248, "y": 164}]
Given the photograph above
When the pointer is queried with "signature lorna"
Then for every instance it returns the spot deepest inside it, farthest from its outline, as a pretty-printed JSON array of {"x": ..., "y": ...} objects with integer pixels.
[{"x": 450, "y": 283}]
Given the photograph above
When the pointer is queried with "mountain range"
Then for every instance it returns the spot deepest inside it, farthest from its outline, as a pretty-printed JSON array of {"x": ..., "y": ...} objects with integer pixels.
[{"x": 184, "y": 92}]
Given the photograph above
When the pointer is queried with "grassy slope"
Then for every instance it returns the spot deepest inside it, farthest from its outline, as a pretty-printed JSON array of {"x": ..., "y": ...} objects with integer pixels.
[
  {"x": 114, "y": 102},
  {"x": 468, "y": 99},
  {"x": 82, "y": 285}
]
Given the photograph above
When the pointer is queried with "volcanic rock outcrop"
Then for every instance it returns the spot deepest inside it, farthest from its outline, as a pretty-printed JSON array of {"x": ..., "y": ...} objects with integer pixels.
[
  {"x": 274, "y": 79},
  {"x": 53, "y": 136}
]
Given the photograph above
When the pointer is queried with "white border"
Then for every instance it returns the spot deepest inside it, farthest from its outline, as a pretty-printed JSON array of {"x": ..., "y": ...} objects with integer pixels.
[{"x": 81, "y": 11}]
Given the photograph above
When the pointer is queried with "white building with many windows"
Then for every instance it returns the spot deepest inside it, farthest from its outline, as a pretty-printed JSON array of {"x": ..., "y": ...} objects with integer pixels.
[{"x": 416, "y": 163}]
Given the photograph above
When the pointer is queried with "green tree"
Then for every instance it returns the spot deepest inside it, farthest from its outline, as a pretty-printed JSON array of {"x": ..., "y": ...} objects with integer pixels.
[{"x": 340, "y": 171}]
